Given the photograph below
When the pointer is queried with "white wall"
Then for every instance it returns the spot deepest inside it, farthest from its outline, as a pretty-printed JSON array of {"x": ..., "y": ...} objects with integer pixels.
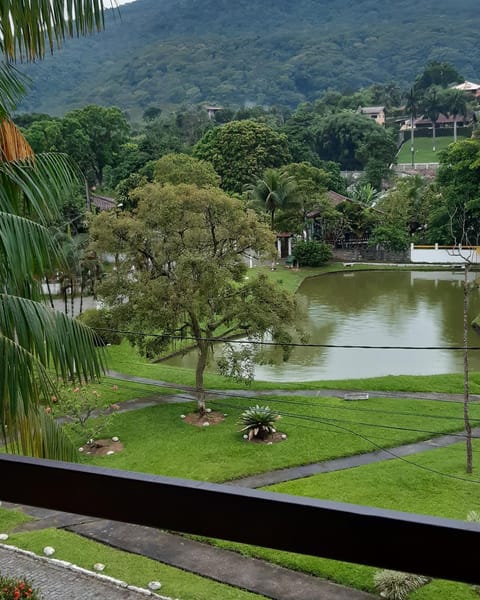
[{"x": 451, "y": 255}]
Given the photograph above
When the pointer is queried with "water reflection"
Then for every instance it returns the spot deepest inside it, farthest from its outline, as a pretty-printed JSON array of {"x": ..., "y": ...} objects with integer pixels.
[{"x": 397, "y": 308}]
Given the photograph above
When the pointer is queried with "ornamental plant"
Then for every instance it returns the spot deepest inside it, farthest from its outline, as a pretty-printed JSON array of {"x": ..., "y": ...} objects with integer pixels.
[
  {"x": 395, "y": 585},
  {"x": 258, "y": 422},
  {"x": 12, "y": 588}
]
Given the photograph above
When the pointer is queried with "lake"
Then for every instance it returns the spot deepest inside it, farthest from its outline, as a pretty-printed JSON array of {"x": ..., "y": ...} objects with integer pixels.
[{"x": 375, "y": 308}]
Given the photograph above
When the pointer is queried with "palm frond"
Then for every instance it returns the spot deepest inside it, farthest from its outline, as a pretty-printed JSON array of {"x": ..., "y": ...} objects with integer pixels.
[
  {"x": 27, "y": 251},
  {"x": 28, "y": 29},
  {"x": 50, "y": 339},
  {"x": 12, "y": 88},
  {"x": 13, "y": 146},
  {"x": 36, "y": 187}
]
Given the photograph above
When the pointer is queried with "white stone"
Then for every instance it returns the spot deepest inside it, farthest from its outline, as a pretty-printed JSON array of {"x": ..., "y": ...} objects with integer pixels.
[
  {"x": 270, "y": 444},
  {"x": 182, "y": 416},
  {"x": 154, "y": 585},
  {"x": 80, "y": 449},
  {"x": 3, "y": 536},
  {"x": 284, "y": 437},
  {"x": 206, "y": 424},
  {"x": 225, "y": 414},
  {"x": 245, "y": 437},
  {"x": 208, "y": 410},
  {"x": 48, "y": 551},
  {"x": 115, "y": 439},
  {"x": 110, "y": 452},
  {"x": 98, "y": 567}
]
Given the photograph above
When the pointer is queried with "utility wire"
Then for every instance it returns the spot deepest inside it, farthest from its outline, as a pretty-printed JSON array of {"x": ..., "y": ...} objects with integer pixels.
[{"x": 281, "y": 344}]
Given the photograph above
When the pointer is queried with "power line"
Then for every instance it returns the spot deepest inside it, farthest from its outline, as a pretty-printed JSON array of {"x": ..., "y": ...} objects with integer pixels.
[{"x": 281, "y": 344}]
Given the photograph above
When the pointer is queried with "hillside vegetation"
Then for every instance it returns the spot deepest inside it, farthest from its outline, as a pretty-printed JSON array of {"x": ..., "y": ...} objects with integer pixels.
[{"x": 170, "y": 52}]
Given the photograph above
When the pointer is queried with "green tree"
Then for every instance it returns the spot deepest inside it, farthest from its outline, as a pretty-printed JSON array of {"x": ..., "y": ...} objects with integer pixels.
[
  {"x": 240, "y": 151},
  {"x": 353, "y": 140},
  {"x": 437, "y": 73},
  {"x": 106, "y": 130},
  {"x": 456, "y": 104},
  {"x": 182, "y": 168},
  {"x": 186, "y": 245},
  {"x": 273, "y": 191},
  {"x": 33, "y": 338},
  {"x": 432, "y": 106},
  {"x": 412, "y": 107}
]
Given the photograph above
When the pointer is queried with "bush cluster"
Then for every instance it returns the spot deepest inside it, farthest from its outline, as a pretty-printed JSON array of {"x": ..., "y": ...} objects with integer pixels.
[
  {"x": 12, "y": 588},
  {"x": 311, "y": 254}
]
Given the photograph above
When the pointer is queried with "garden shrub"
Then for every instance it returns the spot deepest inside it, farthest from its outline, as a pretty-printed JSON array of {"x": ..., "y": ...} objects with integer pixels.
[
  {"x": 258, "y": 422},
  {"x": 12, "y": 588},
  {"x": 311, "y": 254},
  {"x": 101, "y": 321},
  {"x": 395, "y": 585}
]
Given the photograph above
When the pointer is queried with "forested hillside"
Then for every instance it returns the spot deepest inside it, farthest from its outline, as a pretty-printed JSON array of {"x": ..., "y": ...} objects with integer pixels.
[{"x": 171, "y": 52}]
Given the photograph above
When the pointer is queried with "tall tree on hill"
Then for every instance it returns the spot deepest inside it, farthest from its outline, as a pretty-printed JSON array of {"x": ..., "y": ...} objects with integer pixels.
[
  {"x": 34, "y": 338},
  {"x": 456, "y": 104},
  {"x": 412, "y": 107},
  {"x": 433, "y": 106}
]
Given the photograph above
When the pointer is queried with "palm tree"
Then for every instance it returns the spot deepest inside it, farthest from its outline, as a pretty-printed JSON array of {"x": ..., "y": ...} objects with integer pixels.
[
  {"x": 412, "y": 108},
  {"x": 432, "y": 106},
  {"x": 273, "y": 191},
  {"x": 35, "y": 341},
  {"x": 455, "y": 104}
]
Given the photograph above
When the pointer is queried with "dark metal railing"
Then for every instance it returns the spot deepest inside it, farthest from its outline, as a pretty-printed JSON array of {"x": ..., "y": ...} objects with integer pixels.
[{"x": 384, "y": 538}]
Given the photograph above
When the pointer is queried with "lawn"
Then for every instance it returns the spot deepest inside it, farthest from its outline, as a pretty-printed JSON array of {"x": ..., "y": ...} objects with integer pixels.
[
  {"x": 419, "y": 484},
  {"x": 423, "y": 149},
  {"x": 157, "y": 440},
  {"x": 134, "y": 569}
]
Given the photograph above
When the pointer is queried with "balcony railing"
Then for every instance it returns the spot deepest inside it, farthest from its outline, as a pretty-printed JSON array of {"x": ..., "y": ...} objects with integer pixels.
[{"x": 384, "y": 538}]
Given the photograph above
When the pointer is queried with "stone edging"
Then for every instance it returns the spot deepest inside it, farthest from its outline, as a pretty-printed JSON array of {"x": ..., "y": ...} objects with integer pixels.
[{"x": 76, "y": 569}]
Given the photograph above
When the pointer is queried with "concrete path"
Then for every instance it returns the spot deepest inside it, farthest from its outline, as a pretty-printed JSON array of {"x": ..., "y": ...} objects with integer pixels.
[{"x": 55, "y": 580}]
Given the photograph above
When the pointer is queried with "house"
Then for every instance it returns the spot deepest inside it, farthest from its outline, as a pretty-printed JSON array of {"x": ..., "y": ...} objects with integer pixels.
[
  {"x": 103, "y": 202},
  {"x": 443, "y": 122},
  {"x": 212, "y": 110},
  {"x": 470, "y": 87},
  {"x": 377, "y": 113}
]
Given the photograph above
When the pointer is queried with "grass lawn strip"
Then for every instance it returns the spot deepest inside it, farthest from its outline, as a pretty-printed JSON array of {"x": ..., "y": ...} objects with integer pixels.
[
  {"x": 424, "y": 149},
  {"x": 397, "y": 485},
  {"x": 134, "y": 569},
  {"x": 158, "y": 441}
]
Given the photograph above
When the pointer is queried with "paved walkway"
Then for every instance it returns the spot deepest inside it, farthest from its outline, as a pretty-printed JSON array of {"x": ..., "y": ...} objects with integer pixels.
[
  {"x": 228, "y": 567},
  {"x": 57, "y": 581}
]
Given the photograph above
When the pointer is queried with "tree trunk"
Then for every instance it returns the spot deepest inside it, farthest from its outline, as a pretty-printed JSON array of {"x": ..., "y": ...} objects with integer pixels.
[
  {"x": 433, "y": 135},
  {"x": 199, "y": 371},
  {"x": 47, "y": 281},
  {"x": 455, "y": 129},
  {"x": 72, "y": 298},
  {"x": 412, "y": 141},
  {"x": 65, "y": 298},
  {"x": 466, "y": 387}
]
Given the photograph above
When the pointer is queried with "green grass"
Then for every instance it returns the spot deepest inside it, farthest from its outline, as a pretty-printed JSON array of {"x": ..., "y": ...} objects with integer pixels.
[
  {"x": 126, "y": 359},
  {"x": 158, "y": 441},
  {"x": 423, "y": 149},
  {"x": 11, "y": 518},
  {"x": 135, "y": 570},
  {"x": 397, "y": 485}
]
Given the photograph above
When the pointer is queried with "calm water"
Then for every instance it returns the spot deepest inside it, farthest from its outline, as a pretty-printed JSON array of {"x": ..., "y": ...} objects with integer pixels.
[{"x": 379, "y": 309}]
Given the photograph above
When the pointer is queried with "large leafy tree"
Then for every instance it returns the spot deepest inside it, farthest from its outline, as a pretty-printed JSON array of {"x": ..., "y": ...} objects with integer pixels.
[
  {"x": 34, "y": 340},
  {"x": 186, "y": 247},
  {"x": 241, "y": 151}
]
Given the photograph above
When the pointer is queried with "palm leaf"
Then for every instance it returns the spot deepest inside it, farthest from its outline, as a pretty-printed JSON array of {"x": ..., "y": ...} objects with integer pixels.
[
  {"x": 50, "y": 338},
  {"x": 36, "y": 187},
  {"x": 13, "y": 146},
  {"x": 12, "y": 88},
  {"x": 28, "y": 29},
  {"x": 27, "y": 251}
]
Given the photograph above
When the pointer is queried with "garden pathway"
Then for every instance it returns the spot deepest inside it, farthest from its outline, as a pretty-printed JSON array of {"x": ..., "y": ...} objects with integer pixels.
[{"x": 228, "y": 567}]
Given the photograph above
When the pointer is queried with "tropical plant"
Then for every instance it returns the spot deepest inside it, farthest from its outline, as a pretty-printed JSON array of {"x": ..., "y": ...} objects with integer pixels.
[
  {"x": 395, "y": 585},
  {"x": 274, "y": 190},
  {"x": 412, "y": 107},
  {"x": 34, "y": 340},
  {"x": 432, "y": 105},
  {"x": 258, "y": 422},
  {"x": 456, "y": 104}
]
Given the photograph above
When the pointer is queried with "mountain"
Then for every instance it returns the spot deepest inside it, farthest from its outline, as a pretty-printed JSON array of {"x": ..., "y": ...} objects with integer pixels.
[{"x": 171, "y": 52}]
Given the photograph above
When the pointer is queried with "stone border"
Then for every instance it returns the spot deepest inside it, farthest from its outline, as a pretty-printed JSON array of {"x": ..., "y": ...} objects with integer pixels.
[{"x": 76, "y": 569}]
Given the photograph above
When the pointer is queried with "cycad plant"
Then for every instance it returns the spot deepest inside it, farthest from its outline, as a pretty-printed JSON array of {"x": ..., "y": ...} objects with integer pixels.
[
  {"x": 38, "y": 346},
  {"x": 258, "y": 422}
]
